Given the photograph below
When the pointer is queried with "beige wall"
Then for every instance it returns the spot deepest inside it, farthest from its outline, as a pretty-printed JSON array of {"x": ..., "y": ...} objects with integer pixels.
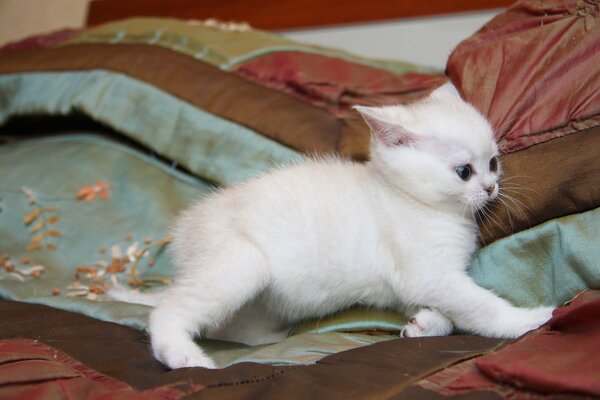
[
  {"x": 22, "y": 18},
  {"x": 426, "y": 41}
]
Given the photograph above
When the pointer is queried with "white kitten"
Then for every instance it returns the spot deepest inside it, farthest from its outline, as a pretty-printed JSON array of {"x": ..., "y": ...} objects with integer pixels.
[{"x": 309, "y": 240}]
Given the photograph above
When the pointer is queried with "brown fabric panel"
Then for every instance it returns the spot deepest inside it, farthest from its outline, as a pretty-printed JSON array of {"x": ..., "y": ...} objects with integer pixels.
[
  {"x": 376, "y": 371},
  {"x": 279, "y": 116},
  {"x": 416, "y": 392},
  {"x": 550, "y": 180},
  {"x": 112, "y": 349},
  {"x": 354, "y": 139}
]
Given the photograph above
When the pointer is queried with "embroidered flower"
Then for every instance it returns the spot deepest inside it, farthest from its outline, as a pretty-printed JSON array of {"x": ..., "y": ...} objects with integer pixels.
[
  {"x": 20, "y": 273},
  {"x": 89, "y": 192},
  {"x": 31, "y": 197},
  {"x": 104, "y": 274},
  {"x": 40, "y": 220}
]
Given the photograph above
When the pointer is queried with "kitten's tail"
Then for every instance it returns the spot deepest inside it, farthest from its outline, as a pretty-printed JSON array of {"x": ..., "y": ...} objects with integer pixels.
[{"x": 120, "y": 293}]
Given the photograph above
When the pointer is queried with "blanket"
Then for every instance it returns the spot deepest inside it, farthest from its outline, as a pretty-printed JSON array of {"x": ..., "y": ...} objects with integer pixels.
[{"x": 183, "y": 108}]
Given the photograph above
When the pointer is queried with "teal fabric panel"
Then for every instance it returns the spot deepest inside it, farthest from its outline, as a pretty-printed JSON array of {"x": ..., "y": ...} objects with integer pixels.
[
  {"x": 355, "y": 319},
  {"x": 295, "y": 350},
  {"x": 209, "y": 146},
  {"x": 548, "y": 264},
  {"x": 144, "y": 198}
]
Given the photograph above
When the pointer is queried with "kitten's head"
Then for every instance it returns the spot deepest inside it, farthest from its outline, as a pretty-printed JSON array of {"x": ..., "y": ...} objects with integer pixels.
[{"x": 440, "y": 150}]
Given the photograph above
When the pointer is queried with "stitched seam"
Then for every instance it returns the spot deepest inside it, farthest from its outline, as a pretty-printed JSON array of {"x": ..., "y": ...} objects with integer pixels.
[{"x": 251, "y": 381}]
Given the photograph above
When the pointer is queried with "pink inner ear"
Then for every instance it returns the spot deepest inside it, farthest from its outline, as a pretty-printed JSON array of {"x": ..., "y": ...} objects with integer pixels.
[
  {"x": 386, "y": 132},
  {"x": 392, "y": 134}
]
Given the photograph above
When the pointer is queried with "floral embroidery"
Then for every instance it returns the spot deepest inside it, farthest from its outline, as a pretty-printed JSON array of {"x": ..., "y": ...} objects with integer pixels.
[
  {"x": 31, "y": 197},
  {"x": 120, "y": 263},
  {"x": 41, "y": 220},
  {"x": 76, "y": 289},
  {"x": 89, "y": 192},
  {"x": 24, "y": 271}
]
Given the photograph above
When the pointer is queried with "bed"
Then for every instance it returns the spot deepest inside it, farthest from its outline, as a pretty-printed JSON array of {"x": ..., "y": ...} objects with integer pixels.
[{"x": 107, "y": 132}]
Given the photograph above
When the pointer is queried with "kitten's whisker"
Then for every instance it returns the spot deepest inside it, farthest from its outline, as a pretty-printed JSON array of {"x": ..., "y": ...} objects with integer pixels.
[
  {"x": 482, "y": 216},
  {"x": 509, "y": 211},
  {"x": 496, "y": 219},
  {"x": 514, "y": 187},
  {"x": 508, "y": 214},
  {"x": 507, "y": 191},
  {"x": 491, "y": 216},
  {"x": 488, "y": 214},
  {"x": 519, "y": 206},
  {"x": 517, "y": 202},
  {"x": 511, "y": 177},
  {"x": 513, "y": 202},
  {"x": 510, "y": 184}
]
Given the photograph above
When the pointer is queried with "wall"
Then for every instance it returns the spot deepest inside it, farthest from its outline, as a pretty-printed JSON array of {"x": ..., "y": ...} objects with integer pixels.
[
  {"x": 426, "y": 41},
  {"x": 22, "y": 18}
]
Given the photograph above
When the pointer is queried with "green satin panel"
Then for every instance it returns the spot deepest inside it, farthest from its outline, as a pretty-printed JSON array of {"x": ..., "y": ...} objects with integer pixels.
[
  {"x": 223, "y": 48},
  {"x": 354, "y": 320},
  {"x": 302, "y": 349}
]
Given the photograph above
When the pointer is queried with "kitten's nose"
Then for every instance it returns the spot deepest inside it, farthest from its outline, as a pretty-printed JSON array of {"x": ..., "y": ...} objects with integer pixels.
[{"x": 490, "y": 190}]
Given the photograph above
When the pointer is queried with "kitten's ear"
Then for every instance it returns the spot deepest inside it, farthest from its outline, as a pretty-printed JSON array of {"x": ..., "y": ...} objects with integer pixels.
[
  {"x": 446, "y": 90},
  {"x": 384, "y": 128}
]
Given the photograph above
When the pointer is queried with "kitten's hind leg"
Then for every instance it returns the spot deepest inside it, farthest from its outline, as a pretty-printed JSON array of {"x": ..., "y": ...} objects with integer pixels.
[
  {"x": 171, "y": 333},
  {"x": 428, "y": 322},
  {"x": 204, "y": 298}
]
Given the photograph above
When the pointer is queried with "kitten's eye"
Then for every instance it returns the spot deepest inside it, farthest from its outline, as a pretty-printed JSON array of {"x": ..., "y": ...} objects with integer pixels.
[
  {"x": 494, "y": 164},
  {"x": 464, "y": 171}
]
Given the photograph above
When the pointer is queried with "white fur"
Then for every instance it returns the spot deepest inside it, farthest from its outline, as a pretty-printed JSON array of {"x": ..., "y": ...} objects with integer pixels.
[{"x": 309, "y": 240}]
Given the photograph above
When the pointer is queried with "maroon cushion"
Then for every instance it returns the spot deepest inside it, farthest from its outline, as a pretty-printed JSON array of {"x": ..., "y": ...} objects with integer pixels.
[{"x": 533, "y": 70}]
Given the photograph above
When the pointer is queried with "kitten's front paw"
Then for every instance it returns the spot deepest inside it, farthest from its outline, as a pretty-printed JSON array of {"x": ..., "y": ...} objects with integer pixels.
[
  {"x": 183, "y": 356},
  {"x": 534, "y": 318},
  {"x": 522, "y": 320},
  {"x": 428, "y": 322}
]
